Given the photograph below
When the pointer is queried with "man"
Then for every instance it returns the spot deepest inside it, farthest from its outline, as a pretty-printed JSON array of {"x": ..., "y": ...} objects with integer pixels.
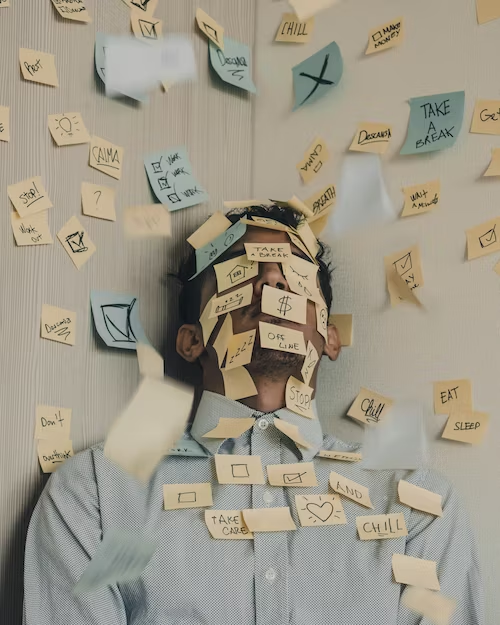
[{"x": 317, "y": 574}]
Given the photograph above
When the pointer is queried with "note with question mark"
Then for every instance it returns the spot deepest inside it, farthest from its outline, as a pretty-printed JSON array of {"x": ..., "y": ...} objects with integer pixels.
[{"x": 98, "y": 201}]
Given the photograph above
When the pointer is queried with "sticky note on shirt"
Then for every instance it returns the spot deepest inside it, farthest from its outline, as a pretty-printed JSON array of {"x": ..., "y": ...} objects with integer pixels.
[
  {"x": 387, "y": 36},
  {"x": 213, "y": 227},
  {"x": 52, "y": 423},
  {"x": 234, "y": 271},
  {"x": 433, "y": 606},
  {"x": 53, "y": 452},
  {"x": 284, "y": 304},
  {"x": 371, "y": 137},
  {"x": 232, "y": 301},
  {"x": 29, "y": 196},
  {"x": 179, "y": 496},
  {"x": 146, "y": 28},
  {"x": 381, "y": 526},
  {"x": 421, "y": 198},
  {"x": 151, "y": 364},
  {"x": 213, "y": 30},
  {"x": 493, "y": 167},
  {"x": 318, "y": 510},
  {"x": 369, "y": 407},
  {"x": 343, "y": 323},
  {"x": 315, "y": 157},
  {"x": 450, "y": 394},
  {"x": 234, "y": 469},
  {"x": 98, "y": 201},
  {"x": 76, "y": 242},
  {"x": 347, "y": 456},
  {"x": 38, "y": 67},
  {"x": 486, "y": 117},
  {"x": 233, "y": 64},
  {"x": 106, "y": 157},
  {"x": 68, "y": 129},
  {"x": 350, "y": 489},
  {"x": 230, "y": 428},
  {"x": 292, "y": 431},
  {"x": 227, "y": 525},
  {"x": 4, "y": 122},
  {"x": 238, "y": 383},
  {"x": 408, "y": 265},
  {"x": 144, "y": 222},
  {"x": 300, "y": 474},
  {"x": 415, "y": 571},
  {"x": 116, "y": 319},
  {"x": 310, "y": 362},
  {"x": 269, "y": 519},
  {"x": 466, "y": 426},
  {"x": 483, "y": 239},
  {"x": 239, "y": 349},
  {"x": 292, "y": 30},
  {"x": 314, "y": 77},
  {"x": 419, "y": 498},
  {"x": 282, "y": 339},
  {"x": 31, "y": 230},
  {"x": 71, "y": 10},
  {"x": 58, "y": 324}
]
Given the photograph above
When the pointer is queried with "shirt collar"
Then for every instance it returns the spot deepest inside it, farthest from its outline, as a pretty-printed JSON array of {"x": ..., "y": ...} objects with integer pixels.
[{"x": 213, "y": 406}]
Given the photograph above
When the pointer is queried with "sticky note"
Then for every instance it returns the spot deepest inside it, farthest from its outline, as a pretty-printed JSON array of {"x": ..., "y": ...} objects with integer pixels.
[
  {"x": 399, "y": 289},
  {"x": 53, "y": 452},
  {"x": 223, "y": 337},
  {"x": 269, "y": 519},
  {"x": 146, "y": 7},
  {"x": 435, "y": 122},
  {"x": 227, "y": 525},
  {"x": 116, "y": 319},
  {"x": 370, "y": 407},
  {"x": 308, "y": 238},
  {"x": 32, "y": 230},
  {"x": 483, "y": 239},
  {"x": 284, "y": 304},
  {"x": 231, "y": 204},
  {"x": 68, "y": 129},
  {"x": 486, "y": 117},
  {"x": 433, "y": 606},
  {"x": 239, "y": 349},
  {"x": 421, "y": 198},
  {"x": 213, "y": 30},
  {"x": 178, "y": 496},
  {"x": 4, "y": 4},
  {"x": 322, "y": 320},
  {"x": 4, "y": 122},
  {"x": 317, "y": 75},
  {"x": 146, "y": 28},
  {"x": 141, "y": 436},
  {"x": 322, "y": 202},
  {"x": 305, "y": 9},
  {"x": 415, "y": 571},
  {"x": 314, "y": 158},
  {"x": 72, "y": 10},
  {"x": 318, "y": 510},
  {"x": 144, "y": 222},
  {"x": 310, "y": 362},
  {"x": 381, "y": 526},
  {"x": 98, "y": 201},
  {"x": 487, "y": 10},
  {"x": 208, "y": 324},
  {"x": 38, "y": 67},
  {"x": 293, "y": 30},
  {"x": 343, "y": 323},
  {"x": 493, "y": 167},
  {"x": 292, "y": 431},
  {"x": 387, "y": 36},
  {"x": 451, "y": 394},
  {"x": 350, "y": 489},
  {"x": 371, "y": 137},
  {"x": 52, "y": 423},
  {"x": 266, "y": 223},
  {"x": 301, "y": 276},
  {"x": 300, "y": 474},
  {"x": 282, "y": 339},
  {"x": 209, "y": 253},
  {"x": 347, "y": 456},
  {"x": 234, "y": 469},
  {"x": 238, "y": 383},
  {"x": 266, "y": 253},
  {"x": 233, "y": 300},
  {"x": 466, "y": 426},
  {"x": 76, "y": 242},
  {"x": 230, "y": 428},
  {"x": 408, "y": 265},
  {"x": 419, "y": 498},
  {"x": 233, "y": 64},
  {"x": 121, "y": 557},
  {"x": 234, "y": 271},
  {"x": 151, "y": 364},
  {"x": 212, "y": 228},
  {"x": 298, "y": 398},
  {"x": 29, "y": 196},
  {"x": 106, "y": 157},
  {"x": 58, "y": 324}
]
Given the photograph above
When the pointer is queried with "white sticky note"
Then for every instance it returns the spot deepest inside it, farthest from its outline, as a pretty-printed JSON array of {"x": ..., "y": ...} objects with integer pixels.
[
  {"x": 151, "y": 364},
  {"x": 433, "y": 606},
  {"x": 381, "y": 526}
]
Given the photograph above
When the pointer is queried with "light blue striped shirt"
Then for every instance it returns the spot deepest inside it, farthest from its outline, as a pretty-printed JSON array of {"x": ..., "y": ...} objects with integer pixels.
[{"x": 311, "y": 576}]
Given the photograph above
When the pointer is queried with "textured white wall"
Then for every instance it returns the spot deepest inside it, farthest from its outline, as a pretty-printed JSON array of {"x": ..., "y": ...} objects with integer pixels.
[{"x": 400, "y": 352}]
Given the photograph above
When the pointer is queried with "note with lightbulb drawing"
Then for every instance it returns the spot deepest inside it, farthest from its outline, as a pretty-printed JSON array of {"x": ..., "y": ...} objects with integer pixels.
[{"x": 68, "y": 129}]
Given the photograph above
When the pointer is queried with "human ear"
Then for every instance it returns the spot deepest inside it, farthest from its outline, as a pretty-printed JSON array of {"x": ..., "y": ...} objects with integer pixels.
[
  {"x": 332, "y": 345},
  {"x": 189, "y": 343}
]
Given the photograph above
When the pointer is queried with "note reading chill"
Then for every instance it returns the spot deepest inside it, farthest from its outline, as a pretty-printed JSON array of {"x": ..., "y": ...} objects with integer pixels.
[
  {"x": 76, "y": 242},
  {"x": 282, "y": 339},
  {"x": 370, "y": 407},
  {"x": 314, "y": 158},
  {"x": 4, "y": 123},
  {"x": 31, "y": 230},
  {"x": 317, "y": 75},
  {"x": 466, "y": 426},
  {"x": 233, "y": 64},
  {"x": 144, "y": 222},
  {"x": 266, "y": 253},
  {"x": 52, "y": 423},
  {"x": 451, "y": 394},
  {"x": 300, "y": 474},
  {"x": 298, "y": 398},
  {"x": 227, "y": 525},
  {"x": 371, "y": 137},
  {"x": 29, "y": 196},
  {"x": 483, "y": 239},
  {"x": 318, "y": 510},
  {"x": 68, "y": 129},
  {"x": 293, "y": 30},
  {"x": 106, "y": 157},
  {"x": 72, "y": 10},
  {"x": 116, "y": 319},
  {"x": 421, "y": 198},
  {"x": 386, "y": 36},
  {"x": 38, "y": 67},
  {"x": 381, "y": 526},
  {"x": 98, "y": 201},
  {"x": 58, "y": 324}
]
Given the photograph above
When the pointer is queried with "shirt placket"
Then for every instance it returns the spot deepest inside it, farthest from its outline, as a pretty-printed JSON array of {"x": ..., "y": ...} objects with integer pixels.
[{"x": 270, "y": 548}]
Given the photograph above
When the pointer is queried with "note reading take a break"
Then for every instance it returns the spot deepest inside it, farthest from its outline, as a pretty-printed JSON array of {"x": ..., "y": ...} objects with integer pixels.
[
  {"x": 145, "y": 28},
  {"x": 230, "y": 427},
  {"x": 451, "y": 394},
  {"x": 265, "y": 253},
  {"x": 298, "y": 398},
  {"x": 238, "y": 383},
  {"x": 344, "y": 486},
  {"x": 347, "y": 456},
  {"x": 371, "y": 137},
  {"x": 232, "y": 301},
  {"x": 213, "y": 30},
  {"x": 310, "y": 362},
  {"x": 234, "y": 271},
  {"x": 433, "y": 606},
  {"x": 213, "y": 227},
  {"x": 419, "y": 498},
  {"x": 370, "y": 407},
  {"x": 58, "y": 325},
  {"x": 68, "y": 129},
  {"x": 72, "y": 10},
  {"x": 31, "y": 230},
  {"x": 415, "y": 571},
  {"x": 269, "y": 519},
  {"x": 227, "y": 525},
  {"x": 284, "y": 304},
  {"x": 318, "y": 510},
  {"x": 234, "y": 469},
  {"x": 486, "y": 117},
  {"x": 343, "y": 323},
  {"x": 386, "y": 36},
  {"x": 315, "y": 157},
  {"x": 282, "y": 339},
  {"x": 300, "y": 474},
  {"x": 381, "y": 526},
  {"x": 421, "y": 198},
  {"x": 4, "y": 123},
  {"x": 179, "y": 496},
  {"x": 408, "y": 265},
  {"x": 466, "y": 426},
  {"x": 52, "y": 423},
  {"x": 98, "y": 201},
  {"x": 144, "y": 222},
  {"x": 38, "y": 67},
  {"x": 76, "y": 242},
  {"x": 292, "y": 431},
  {"x": 239, "y": 349},
  {"x": 292, "y": 30},
  {"x": 53, "y": 452},
  {"x": 483, "y": 239},
  {"x": 29, "y": 196},
  {"x": 106, "y": 157},
  {"x": 493, "y": 167}
]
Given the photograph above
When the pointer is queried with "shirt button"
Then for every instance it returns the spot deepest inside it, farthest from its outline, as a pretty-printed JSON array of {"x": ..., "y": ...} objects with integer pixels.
[
  {"x": 270, "y": 575},
  {"x": 263, "y": 424},
  {"x": 268, "y": 497}
]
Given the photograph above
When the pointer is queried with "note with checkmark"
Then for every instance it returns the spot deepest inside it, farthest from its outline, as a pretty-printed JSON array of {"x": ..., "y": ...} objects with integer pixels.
[
  {"x": 297, "y": 474},
  {"x": 483, "y": 239},
  {"x": 406, "y": 264}
]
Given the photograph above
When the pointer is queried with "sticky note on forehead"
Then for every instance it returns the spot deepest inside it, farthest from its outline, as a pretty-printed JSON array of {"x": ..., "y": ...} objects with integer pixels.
[
  {"x": 215, "y": 225},
  {"x": 268, "y": 253},
  {"x": 209, "y": 253}
]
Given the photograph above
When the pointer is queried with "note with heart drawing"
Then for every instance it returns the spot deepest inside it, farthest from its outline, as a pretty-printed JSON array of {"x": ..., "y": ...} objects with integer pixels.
[{"x": 316, "y": 510}]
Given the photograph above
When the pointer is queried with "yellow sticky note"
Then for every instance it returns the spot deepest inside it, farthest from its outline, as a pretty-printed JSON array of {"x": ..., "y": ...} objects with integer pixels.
[
  {"x": 371, "y": 137},
  {"x": 343, "y": 323},
  {"x": 466, "y": 426},
  {"x": 230, "y": 427},
  {"x": 292, "y": 431},
  {"x": 146, "y": 7},
  {"x": 4, "y": 4},
  {"x": 234, "y": 271},
  {"x": 370, "y": 407},
  {"x": 483, "y": 239},
  {"x": 433, "y": 606},
  {"x": 486, "y": 117},
  {"x": 293, "y": 30},
  {"x": 386, "y": 36},
  {"x": 76, "y": 242},
  {"x": 301, "y": 276},
  {"x": 299, "y": 474},
  {"x": 225, "y": 333},
  {"x": 98, "y": 201},
  {"x": 151, "y": 364},
  {"x": 234, "y": 469},
  {"x": 305, "y": 9},
  {"x": 265, "y": 222},
  {"x": 381, "y": 526},
  {"x": 350, "y": 489},
  {"x": 52, "y": 423},
  {"x": 415, "y": 571},
  {"x": 210, "y": 27},
  {"x": 227, "y": 525},
  {"x": 214, "y": 226},
  {"x": 106, "y": 157},
  {"x": 232, "y": 301},
  {"x": 421, "y": 198},
  {"x": 53, "y": 452},
  {"x": 208, "y": 324},
  {"x": 347, "y": 456},
  {"x": 29, "y": 196},
  {"x": 4, "y": 122},
  {"x": 300, "y": 245},
  {"x": 494, "y": 166},
  {"x": 68, "y": 129},
  {"x": 238, "y": 383},
  {"x": 267, "y": 253},
  {"x": 419, "y": 498},
  {"x": 284, "y": 304},
  {"x": 145, "y": 27},
  {"x": 487, "y": 10},
  {"x": 322, "y": 320},
  {"x": 298, "y": 397},
  {"x": 450, "y": 394},
  {"x": 144, "y": 222},
  {"x": 399, "y": 289},
  {"x": 269, "y": 519},
  {"x": 308, "y": 238},
  {"x": 315, "y": 157},
  {"x": 72, "y": 10},
  {"x": 318, "y": 510},
  {"x": 38, "y": 67},
  {"x": 282, "y": 339},
  {"x": 239, "y": 349},
  {"x": 31, "y": 230},
  {"x": 321, "y": 202},
  {"x": 58, "y": 324},
  {"x": 408, "y": 265},
  {"x": 179, "y": 496},
  {"x": 310, "y": 362}
]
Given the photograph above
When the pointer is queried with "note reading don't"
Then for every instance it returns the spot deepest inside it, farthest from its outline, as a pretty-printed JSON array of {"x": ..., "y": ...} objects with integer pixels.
[{"x": 370, "y": 407}]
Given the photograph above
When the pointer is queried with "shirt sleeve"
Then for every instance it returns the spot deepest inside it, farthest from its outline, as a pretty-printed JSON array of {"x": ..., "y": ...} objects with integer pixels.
[
  {"x": 64, "y": 533},
  {"x": 449, "y": 541}
]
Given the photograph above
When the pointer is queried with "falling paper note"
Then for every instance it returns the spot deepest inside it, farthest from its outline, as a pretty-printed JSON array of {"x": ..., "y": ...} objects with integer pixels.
[
  {"x": 421, "y": 198},
  {"x": 213, "y": 30},
  {"x": 233, "y": 64},
  {"x": 305, "y": 9},
  {"x": 371, "y": 137},
  {"x": 314, "y": 77},
  {"x": 38, "y": 67},
  {"x": 433, "y": 606},
  {"x": 143, "y": 222},
  {"x": 435, "y": 122},
  {"x": 4, "y": 122},
  {"x": 101, "y": 44},
  {"x": 116, "y": 319},
  {"x": 151, "y": 364},
  {"x": 214, "y": 226},
  {"x": 72, "y": 10},
  {"x": 68, "y": 129},
  {"x": 415, "y": 571},
  {"x": 386, "y": 36}
]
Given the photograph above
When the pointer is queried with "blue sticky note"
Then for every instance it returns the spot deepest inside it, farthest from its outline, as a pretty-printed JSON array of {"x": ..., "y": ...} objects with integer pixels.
[
  {"x": 116, "y": 319},
  {"x": 233, "y": 64},
  {"x": 170, "y": 176},
  {"x": 435, "y": 122},
  {"x": 314, "y": 77},
  {"x": 211, "y": 251}
]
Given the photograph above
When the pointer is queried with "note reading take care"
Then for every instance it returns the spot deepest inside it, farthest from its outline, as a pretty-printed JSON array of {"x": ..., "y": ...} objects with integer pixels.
[
  {"x": 350, "y": 489},
  {"x": 233, "y": 64},
  {"x": 419, "y": 498},
  {"x": 415, "y": 571},
  {"x": 314, "y": 77},
  {"x": 76, "y": 242},
  {"x": 483, "y": 239},
  {"x": 4, "y": 123},
  {"x": 466, "y": 426},
  {"x": 38, "y": 67},
  {"x": 371, "y": 137},
  {"x": 387, "y": 36},
  {"x": 72, "y": 10},
  {"x": 381, "y": 526},
  {"x": 58, "y": 324},
  {"x": 52, "y": 423},
  {"x": 292, "y": 30},
  {"x": 299, "y": 474},
  {"x": 106, "y": 157},
  {"x": 227, "y": 525},
  {"x": 298, "y": 398},
  {"x": 213, "y": 30},
  {"x": 370, "y": 407},
  {"x": 235, "y": 469},
  {"x": 314, "y": 158},
  {"x": 31, "y": 230},
  {"x": 29, "y": 196},
  {"x": 451, "y": 394},
  {"x": 180, "y": 496},
  {"x": 98, "y": 201},
  {"x": 421, "y": 198},
  {"x": 282, "y": 339},
  {"x": 318, "y": 510}
]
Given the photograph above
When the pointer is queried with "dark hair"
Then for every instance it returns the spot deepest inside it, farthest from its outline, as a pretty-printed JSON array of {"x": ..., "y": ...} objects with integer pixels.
[{"x": 190, "y": 295}]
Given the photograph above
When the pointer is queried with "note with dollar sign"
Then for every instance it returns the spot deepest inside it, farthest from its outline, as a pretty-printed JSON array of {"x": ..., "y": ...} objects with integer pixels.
[{"x": 284, "y": 304}]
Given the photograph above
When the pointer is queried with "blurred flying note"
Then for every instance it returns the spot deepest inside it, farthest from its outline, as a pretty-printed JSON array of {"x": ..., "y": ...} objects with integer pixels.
[
  {"x": 76, "y": 242},
  {"x": 213, "y": 30},
  {"x": 142, "y": 435},
  {"x": 433, "y": 606},
  {"x": 415, "y": 571},
  {"x": 233, "y": 64},
  {"x": 143, "y": 222},
  {"x": 343, "y": 323},
  {"x": 53, "y": 452},
  {"x": 68, "y": 129},
  {"x": 370, "y": 407},
  {"x": 493, "y": 167},
  {"x": 144, "y": 27},
  {"x": 106, "y": 157},
  {"x": 304, "y": 9},
  {"x": 314, "y": 77},
  {"x": 487, "y": 10},
  {"x": 483, "y": 239},
  {"x": 38, "y": 67},
  {"x": 238, "y": 383},
  {"x": 435, "y": 122},
  {"x": 408, "y": 265},
  {"x": 210, "y": 252},
  {"x": 71, "y": 10},
  {"x": 419, "y": 498},
  {"x": 294, "y": 30},
  {"x": 116, "y": 319},
  {"x": 98, "y": 201},
  {"x": 58, "y": 324},
  {"x": 281, "y": 338},
  {"x": 151, "y": 364},
  {"x": 31, "y": 230},
  {"x": 315, "y": 157},
  {"x": 227, "y": 525},
  {"x": 284, "y": 304},
  {"x": 4, "y": 122},
  {"x": 371, "y": 137},
  {"x": 486, "y": 117},
  {"x": 29, "y": 196},
  {"x": 352, "y": 490},
  {"x": 120, "y": 557},
  {"x": 52, "y": 423},
  {"x": 213, "y": 227},
  {"x": 269, "y": 519},
  {"x": 298, "y": 398},
  {"x": 239, "y": 349},
  {"x": 230, "y": 428},
  {"x": 232, "y": 300},
  {"x": 179, "y": 496},
  {"x": 310, "y": 362},
  {"x": 466, "y": 426},
  {"x": 421, "y": 198},
  {"x": 451, "y": 394},
  {"x": 386, "y": 36},
  {"x": 171, "y": 178},
  {"x": 234, "y": 271}
]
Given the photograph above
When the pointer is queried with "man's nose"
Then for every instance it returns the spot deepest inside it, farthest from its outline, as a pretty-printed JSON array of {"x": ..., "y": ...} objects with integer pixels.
[{"x": 272, "y": 275}]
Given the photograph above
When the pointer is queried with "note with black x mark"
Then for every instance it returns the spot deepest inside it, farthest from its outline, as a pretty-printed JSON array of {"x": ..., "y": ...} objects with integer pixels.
[
  {"x": 483, "y": 239},
  {"x": 315, "y": 76}
]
